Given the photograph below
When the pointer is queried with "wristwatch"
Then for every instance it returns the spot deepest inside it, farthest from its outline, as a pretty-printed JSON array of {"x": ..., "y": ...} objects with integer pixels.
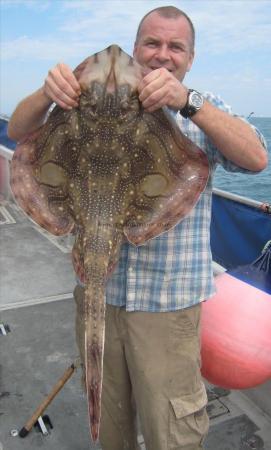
[{"x": 194, "y": 103}]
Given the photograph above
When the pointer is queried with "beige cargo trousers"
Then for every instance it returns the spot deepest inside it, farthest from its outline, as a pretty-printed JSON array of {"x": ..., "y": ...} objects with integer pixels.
[{"x": 151, "y": 370}]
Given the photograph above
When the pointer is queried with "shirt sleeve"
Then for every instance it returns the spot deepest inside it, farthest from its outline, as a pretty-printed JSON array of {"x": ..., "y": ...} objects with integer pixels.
[{"x": 214, "y": 155}]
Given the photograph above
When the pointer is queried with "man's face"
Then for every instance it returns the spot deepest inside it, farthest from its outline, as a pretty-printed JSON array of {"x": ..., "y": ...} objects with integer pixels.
[{"x": 165, "y": 43}]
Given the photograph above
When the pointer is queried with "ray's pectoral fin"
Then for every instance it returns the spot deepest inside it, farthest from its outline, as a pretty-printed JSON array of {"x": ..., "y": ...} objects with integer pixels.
[
  {"x": 172, "y": 184},
  {"x": 40, "y": 183}
]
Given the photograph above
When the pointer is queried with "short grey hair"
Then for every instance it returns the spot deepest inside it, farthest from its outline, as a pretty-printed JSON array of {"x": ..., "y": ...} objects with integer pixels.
[{"x": 170, "y": 12}]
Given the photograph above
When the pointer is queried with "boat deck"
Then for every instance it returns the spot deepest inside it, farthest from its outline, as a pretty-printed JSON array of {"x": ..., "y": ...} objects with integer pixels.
[{"x": 38, "y": 344}]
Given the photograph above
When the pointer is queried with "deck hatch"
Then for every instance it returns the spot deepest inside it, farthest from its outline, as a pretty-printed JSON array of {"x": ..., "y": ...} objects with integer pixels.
[{"x": 216, "y": 408}]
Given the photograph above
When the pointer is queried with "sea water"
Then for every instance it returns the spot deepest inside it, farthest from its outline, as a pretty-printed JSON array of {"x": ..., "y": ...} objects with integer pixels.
[{"x": 256, "y": 186}]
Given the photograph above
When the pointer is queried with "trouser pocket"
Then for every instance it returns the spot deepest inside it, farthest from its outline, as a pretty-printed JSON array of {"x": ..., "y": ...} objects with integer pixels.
[{"x": 188, "y": 421}]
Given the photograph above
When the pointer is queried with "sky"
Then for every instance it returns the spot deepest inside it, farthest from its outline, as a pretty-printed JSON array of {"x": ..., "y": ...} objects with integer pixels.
[{"x": 233, "y": 44}]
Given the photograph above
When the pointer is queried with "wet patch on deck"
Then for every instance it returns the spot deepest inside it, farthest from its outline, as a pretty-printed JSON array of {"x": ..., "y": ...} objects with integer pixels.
[{"x": 237, "y": 433}]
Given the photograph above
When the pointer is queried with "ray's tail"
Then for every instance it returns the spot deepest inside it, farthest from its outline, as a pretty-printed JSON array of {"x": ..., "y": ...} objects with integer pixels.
[
  {"x": 94, "y": 312},
  {"x": 100, "y": 251},
  {"x": 94, "y": 371}
]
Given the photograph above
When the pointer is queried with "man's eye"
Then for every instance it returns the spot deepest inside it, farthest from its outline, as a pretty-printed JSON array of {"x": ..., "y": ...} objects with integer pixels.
[
  {"x": 151, "y": 44},
  {"x": 177, "y": 48}
]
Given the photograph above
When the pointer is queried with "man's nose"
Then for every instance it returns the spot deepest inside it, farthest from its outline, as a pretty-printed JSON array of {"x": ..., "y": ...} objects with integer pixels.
[{"x": 163, "y": 53}]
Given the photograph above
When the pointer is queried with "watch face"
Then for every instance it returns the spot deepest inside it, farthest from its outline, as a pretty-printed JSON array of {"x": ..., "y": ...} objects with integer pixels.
[{"x": 196, "y": 100}]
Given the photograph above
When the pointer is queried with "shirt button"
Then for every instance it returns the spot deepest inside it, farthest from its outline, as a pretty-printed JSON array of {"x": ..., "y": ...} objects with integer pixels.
[{"x": 130, "y": 269}]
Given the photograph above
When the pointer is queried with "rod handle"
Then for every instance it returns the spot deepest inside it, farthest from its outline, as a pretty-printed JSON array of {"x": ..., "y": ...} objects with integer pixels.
[{"x": 41, "y": 408}]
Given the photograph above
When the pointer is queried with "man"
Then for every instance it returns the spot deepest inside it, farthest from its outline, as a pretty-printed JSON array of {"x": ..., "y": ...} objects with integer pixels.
[{"x": 152, "y": 345}]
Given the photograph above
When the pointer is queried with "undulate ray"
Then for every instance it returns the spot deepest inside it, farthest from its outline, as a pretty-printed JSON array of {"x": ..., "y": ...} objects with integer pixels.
[{"x": 108, "y": 171}]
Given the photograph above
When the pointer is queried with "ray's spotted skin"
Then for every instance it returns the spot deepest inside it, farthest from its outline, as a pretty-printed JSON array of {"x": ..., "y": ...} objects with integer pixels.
[{"x": 108, "y": 171}]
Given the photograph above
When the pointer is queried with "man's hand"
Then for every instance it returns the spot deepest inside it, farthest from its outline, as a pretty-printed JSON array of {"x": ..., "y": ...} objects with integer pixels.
[
  {"x": 160, "y": 88},
  {"x": 61, "y": 86}
]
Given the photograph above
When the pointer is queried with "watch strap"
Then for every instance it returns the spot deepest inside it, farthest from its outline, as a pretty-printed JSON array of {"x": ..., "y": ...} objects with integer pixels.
[
  {"x": 188, "y": 110},
  {"x": 185, "y": 111}
]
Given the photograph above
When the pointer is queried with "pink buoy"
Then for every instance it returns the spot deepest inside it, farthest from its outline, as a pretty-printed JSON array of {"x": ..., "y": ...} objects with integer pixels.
[{"x": 236, "y": 335}]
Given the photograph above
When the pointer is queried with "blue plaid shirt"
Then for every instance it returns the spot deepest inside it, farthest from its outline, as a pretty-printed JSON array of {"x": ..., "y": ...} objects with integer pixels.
[{"x": 174, "y": 270}]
